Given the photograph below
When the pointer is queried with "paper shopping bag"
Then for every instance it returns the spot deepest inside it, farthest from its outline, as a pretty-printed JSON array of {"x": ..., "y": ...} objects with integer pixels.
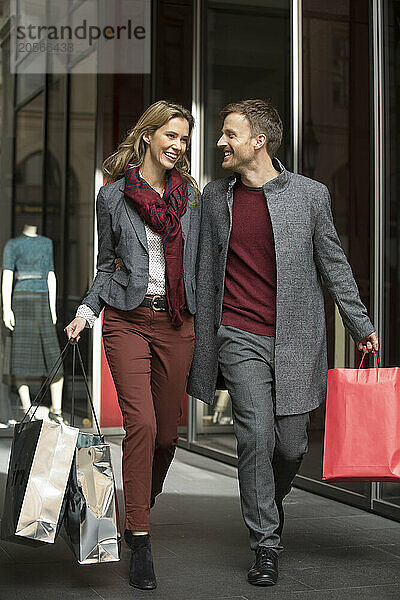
[
  {"x": 91, "y": 517},
  {"x": 362, "y": 425},
  {"x": 39, "y": 469}
]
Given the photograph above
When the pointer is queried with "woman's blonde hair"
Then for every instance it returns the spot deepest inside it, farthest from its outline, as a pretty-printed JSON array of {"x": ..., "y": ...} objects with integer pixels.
[{"x": 132, "y": 150}]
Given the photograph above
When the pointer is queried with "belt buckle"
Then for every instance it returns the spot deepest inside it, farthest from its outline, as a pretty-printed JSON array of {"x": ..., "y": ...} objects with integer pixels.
[{"x": 153, "y": 306}]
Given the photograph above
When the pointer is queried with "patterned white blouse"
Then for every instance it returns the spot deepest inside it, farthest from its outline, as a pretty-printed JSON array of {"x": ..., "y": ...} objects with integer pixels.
[{"x": 156, "y": 284}]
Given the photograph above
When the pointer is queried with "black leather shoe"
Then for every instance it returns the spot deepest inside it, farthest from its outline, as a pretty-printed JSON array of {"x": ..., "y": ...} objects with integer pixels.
[
  {"x": 141, "y": 568},
  {"x": 265, "y": 569}
]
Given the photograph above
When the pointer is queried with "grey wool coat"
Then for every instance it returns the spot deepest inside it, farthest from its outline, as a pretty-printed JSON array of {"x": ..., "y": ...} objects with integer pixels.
[
  {"x": 307, "y": 250},
  {"x": 121, "y": 233}
]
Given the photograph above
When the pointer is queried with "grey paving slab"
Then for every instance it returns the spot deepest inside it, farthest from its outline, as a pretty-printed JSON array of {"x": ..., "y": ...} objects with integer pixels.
[
  {"x": 204, "y": 539},
  {"x": 48, "y": 594},
  {"x": 187, "y": 580},
  {"x": 201, "y": 552},
  {"x": 333, "y": 531},
  {"x": 337, "y": 557},
  {"x": 378, "y": 592},
  {"x": 229, "y": 598},
  {"x": 16, "y": 553},
  {"x": 298, "y": 506},
  {"x": 4, "y": 557},
  {"x": 388, "y": 548},
  {"x": 176, "y": 508},
  {"x": 367, "y": 521},
  {"x": 351, "y": 575},
  {"x": 68, "y": 581}
]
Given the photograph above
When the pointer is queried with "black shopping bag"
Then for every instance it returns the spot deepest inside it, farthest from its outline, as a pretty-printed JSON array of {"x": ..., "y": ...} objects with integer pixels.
[
  {"x": 39, "y": 469},
  {"x": 22, "y": 453}
]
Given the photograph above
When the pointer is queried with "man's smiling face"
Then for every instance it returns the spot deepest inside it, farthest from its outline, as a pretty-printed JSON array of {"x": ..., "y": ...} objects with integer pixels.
[{"x": 236, "y": 142}]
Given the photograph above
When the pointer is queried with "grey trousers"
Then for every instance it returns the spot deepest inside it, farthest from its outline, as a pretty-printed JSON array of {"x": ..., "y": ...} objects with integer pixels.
[{"x": 270, "y": 448}]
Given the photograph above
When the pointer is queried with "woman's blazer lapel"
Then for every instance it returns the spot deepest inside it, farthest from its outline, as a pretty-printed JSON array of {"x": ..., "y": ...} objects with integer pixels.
[{"x": 136, "y": 221}]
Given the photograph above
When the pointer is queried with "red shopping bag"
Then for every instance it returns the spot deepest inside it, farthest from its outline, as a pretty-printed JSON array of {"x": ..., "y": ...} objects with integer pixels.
[{"x": 362, "y": 424}]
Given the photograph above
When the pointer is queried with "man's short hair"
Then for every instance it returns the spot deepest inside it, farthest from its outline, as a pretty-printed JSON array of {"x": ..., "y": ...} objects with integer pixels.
[{"x": 263, "y": 118}]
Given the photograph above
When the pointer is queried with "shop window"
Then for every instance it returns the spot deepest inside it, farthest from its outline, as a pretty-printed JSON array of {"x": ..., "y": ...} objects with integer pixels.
[
  {"x": 246, "y": 56},
  {"x": 29, "y": 165},
  {"x": 390, "y": 492},
  {"x": 336, "y": 151}
]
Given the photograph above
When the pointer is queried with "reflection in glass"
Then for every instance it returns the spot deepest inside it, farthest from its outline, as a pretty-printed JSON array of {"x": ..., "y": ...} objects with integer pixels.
[
  {"x": 29, "y": 315},
  {"x": 28, "y": 85},
  {"x": 183, "y": 421},
  {"x": 214, "y": 424},
  {"x": 391, "y": 491},
  {"x": 80, "y": 210},
  {"x": 6, "y": 185},
  {"x": 336, "y": 151},
  {"x": 258, "y": 67},
  {"x": 55, "y": 214},
  {"x": 27, "y": 210},
  {"x": 55, "y": 166},
  {"x": 29, "y": 165},
  {"x": 174, "y": 52}
]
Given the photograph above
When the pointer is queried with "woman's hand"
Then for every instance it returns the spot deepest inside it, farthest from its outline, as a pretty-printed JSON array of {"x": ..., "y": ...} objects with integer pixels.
[{"x": 74, "y": 328}]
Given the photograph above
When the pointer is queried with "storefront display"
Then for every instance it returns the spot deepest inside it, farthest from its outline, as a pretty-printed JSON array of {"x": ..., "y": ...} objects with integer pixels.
[
  {"x": 29, "y": 313},
  {"x": 332, "y": 69}
]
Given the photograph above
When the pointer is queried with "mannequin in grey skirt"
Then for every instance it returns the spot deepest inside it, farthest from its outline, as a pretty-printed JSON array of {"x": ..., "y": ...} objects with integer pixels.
[
  {"x": 267, "y": 239},
  {"x": 29, "y": 313}
]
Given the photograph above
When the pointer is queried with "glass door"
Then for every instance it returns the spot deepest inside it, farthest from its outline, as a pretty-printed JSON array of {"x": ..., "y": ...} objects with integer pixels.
[
  {"x": 246, "y": 49},
  {"x": 336, "y": 150},
  {"x": 389, "y": 493}
]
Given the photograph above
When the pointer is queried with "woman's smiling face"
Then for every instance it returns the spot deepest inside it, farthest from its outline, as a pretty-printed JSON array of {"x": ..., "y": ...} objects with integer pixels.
[{"x": 168, "y": 143}]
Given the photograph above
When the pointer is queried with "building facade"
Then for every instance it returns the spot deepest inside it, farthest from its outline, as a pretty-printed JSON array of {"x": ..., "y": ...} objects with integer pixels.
[{"x": 333, "y": 70}]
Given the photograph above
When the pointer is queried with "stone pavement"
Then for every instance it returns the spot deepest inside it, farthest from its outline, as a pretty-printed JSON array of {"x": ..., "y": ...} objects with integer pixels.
[{"x": 200, "y": 547}]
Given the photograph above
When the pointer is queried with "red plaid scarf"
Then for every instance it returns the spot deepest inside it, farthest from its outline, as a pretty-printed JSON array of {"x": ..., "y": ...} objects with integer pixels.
[{"x": 163, "y": 215}]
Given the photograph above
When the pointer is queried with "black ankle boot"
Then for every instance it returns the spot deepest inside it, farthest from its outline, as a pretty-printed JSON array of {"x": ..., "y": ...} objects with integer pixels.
[{"x": 141, "y": 568}]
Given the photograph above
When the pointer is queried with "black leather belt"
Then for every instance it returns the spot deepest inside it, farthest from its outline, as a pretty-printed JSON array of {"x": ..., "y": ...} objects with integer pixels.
[{"x": 155, "y": 302}]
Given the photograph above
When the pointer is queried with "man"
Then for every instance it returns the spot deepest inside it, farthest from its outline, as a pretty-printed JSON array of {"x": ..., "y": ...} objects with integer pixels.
[{"x": 267, "y": 239}]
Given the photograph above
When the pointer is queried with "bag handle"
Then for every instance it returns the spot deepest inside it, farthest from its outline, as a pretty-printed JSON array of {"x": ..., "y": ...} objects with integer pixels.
[
  {"x": 45, "y": 386},
  {"x": 376, "y": 356},
  {"x": 75, "y": 350},
  {"x": 50, "y": 378}
]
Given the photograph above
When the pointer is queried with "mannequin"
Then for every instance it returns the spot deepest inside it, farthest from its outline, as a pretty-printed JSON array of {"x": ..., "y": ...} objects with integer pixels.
[
  {"x": 33, "y": 279},
  {"x": 220, "y": 407}
]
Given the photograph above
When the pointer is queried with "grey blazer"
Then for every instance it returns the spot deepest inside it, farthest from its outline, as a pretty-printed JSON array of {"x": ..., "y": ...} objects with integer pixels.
[
  {"x": 307, "y": 249},
  {"x": 121, "y": 233}
]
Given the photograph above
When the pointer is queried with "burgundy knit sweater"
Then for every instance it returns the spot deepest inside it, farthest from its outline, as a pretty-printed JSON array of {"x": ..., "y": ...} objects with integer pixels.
[{"x": 250, "y": 279}]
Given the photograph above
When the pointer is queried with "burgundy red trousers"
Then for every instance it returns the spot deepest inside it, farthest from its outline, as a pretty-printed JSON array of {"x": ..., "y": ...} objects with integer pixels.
[{"x": 149, "y": 362}]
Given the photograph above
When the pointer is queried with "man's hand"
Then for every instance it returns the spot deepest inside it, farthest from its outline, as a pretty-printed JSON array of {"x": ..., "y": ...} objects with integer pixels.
[
  {"x": 369, "y": 343},
  {"x": 119, "y": 264}
]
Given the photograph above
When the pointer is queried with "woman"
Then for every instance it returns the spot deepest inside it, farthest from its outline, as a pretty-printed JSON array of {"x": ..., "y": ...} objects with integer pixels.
[{"x": 148, "y": 222}]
